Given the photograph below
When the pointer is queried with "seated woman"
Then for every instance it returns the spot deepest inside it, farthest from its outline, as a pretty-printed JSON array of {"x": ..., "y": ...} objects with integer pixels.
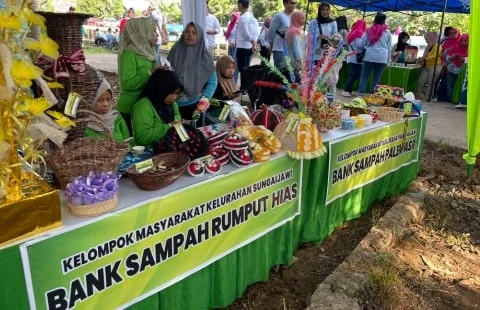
[
  {"x": 398, "y": 49},
  {"x": 226, "y": 88},
  {"x": 193, "y": 64},
  {"x": 104, "y": 107},
  {"x": 156, "y": 110}
]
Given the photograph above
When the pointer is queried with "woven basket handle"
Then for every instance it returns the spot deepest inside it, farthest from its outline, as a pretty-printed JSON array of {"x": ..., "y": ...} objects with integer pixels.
[{"x": 93, "y": 117}]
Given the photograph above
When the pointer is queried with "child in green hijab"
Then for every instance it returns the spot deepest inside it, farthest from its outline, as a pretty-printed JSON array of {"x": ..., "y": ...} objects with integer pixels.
[{"x": 136, "y": 61}]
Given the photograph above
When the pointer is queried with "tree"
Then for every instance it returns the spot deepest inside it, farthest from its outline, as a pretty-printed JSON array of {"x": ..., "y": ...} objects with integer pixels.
[{"x": 101, "y": 8}]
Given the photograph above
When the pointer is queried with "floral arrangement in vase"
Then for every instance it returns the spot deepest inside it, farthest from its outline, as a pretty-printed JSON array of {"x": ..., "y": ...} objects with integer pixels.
[{"x": 24, "y": 125}]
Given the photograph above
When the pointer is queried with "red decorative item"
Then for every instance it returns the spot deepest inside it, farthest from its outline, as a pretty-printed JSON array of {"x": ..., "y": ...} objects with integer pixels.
[
  {"x": 219, "y": 153},
  {"x": 241, "y": 158},
  {"x": 216, "y": 138},
  {"x": 235, "y": 142},
  {"x": 267, "y": 117},
  {"x": 196, "y": 168},
  {"x": 213, "y": 166}
]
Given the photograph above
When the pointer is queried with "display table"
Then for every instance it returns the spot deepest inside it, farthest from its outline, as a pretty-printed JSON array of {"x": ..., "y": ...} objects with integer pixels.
[
  {"x": 403, "y": 77},
  {"x": 362, "y": 167}
]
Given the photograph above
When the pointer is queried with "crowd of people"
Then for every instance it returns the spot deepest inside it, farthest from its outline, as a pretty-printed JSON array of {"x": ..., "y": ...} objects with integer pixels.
[{"x": 156, "y": 94}]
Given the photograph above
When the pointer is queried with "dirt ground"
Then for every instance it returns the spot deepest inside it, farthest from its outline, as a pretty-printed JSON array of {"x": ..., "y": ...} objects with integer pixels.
[{"x": 437, "y": 266}]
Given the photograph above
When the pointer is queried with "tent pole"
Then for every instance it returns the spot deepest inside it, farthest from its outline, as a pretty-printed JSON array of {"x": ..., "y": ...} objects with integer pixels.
[
  {"x": 305, "y": 25},
  {"x": 364, "y": 11},
  {"x": 436, "y": 52}
]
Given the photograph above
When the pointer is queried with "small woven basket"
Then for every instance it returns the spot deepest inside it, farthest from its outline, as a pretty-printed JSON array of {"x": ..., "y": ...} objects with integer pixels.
[
  {"x": 94, "y": 209},
  {"x": 388, "y": 114},
  {"x": 82, "y": 155},
  {"x": 150, "y": 181},
  {"x": 354, "y": 111}
]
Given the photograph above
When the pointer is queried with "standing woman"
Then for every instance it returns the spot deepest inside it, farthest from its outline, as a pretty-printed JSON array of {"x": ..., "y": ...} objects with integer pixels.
[
  {"x": 245, "y": 38},
  {"x": 228, "y": 34},
  {"x": 263, "y": 39},
  {"x": 193, "y": 64},
  {"x": 429, "y": 60},
  {"x": 455, "y": 59},
  {"x": 136, "y": 62},
  {"x": 321, "y": 29},
  {"x": 123, "y": 21},
  {"x": 295, "y": 43},
  {"x": 377, "y": 40},
  {"x": 353, "y": 41},
  {"x": 451, "y": 39}
]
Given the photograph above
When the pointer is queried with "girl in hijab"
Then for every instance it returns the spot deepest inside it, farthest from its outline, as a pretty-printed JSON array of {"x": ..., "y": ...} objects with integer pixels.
[
  {"x": 377, "y": 41},
  {"x": 398, "y": 49},
  {"x": 451, "y": 39},
  {"x": 456, "y": 58},
  {"x": 321, "y": 29},
  {"x": 193, "y": 64},
  {"x": 227, "y": 88},
  {"x": 295, "y": 43},
  {"x": 103, "y": 105},
  {"x": 136, "y": 61},
  {"x": 156, "y": 110},
  {"x": 353, "y": 41},
  {"x": 263, "y": 39},
  {"x": 428, "y": 61}
]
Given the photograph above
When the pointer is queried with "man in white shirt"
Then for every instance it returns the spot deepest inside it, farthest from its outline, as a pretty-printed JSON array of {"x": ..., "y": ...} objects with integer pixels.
[{"x": 212, "y": 27}]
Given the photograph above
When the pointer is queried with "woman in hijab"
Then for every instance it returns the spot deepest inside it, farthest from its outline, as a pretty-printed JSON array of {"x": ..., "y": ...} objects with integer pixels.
[
  {"x": 398, "y": 49},
  {"x": 193, "y": 64},
  {"x": 456, "y": 56},
  {"x": 295, "y": 43},
  {"x": 377, "y": 41},
  {"x": 136, "y": 61},
  {"x": 263, "y": 39},
  {"x": 156, "y": 110},
  {"x": 321, "y": 29},
  {"x": 353, "y": 41},
  {"x": 450, "y": 40},
  {"x": 104, "y": 106},
  {"x": 226, "y": 88},
  {"x": 429, "y": 60}
]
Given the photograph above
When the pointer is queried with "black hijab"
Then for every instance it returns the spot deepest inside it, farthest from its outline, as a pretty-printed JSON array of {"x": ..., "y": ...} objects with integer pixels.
[
  {"x": 320, "y": 19},
  {"x": 400, "y": 45},
  {"x": 161, "y": 84}
]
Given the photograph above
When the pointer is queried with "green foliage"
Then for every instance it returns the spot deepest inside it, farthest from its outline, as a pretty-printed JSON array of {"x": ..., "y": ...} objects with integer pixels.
[
  {"x": 172, "y": 12},
  {"x": 47, "y": 6},
  {"x": 101, "y": 8}
]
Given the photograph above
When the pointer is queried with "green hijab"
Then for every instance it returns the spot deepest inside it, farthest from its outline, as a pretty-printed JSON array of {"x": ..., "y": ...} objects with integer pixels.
[{"x": 137, "y": 37}]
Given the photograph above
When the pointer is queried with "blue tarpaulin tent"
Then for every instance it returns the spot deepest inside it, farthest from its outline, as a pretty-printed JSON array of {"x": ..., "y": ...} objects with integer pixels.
[{"x": 453, "y": 6}]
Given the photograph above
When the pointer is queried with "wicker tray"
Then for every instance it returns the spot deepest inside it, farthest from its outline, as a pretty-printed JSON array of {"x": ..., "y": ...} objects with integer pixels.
[
  {"x": 95, "y": 209},
  {"x": 388, "y": 114},
  {"x": 150, "y": 181},
  {"x": 82, "y": 155}
]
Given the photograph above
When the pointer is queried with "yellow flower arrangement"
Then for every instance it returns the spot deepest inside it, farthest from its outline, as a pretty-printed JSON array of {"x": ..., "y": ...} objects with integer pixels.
[{"x": 20, "y": 112}]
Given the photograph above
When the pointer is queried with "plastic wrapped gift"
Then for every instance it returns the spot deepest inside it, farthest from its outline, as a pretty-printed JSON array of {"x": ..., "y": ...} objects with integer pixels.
[
  {"x": 300, "y": 138},
  {"x": 266, "y": 117}
]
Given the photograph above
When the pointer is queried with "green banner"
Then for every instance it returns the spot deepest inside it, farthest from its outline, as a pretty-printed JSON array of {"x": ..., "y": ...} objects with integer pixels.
[
  {"x": 133, "y": 253},
  {"x": 367, "y": 156}
]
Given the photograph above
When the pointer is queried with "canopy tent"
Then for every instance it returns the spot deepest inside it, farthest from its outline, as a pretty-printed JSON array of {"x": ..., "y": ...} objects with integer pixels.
[
  {"x": 450, "y": 6},
  {"x": 453, "y": 6}
]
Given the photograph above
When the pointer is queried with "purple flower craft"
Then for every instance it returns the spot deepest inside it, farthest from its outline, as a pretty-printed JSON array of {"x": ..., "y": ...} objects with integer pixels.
[{"x": 91, "y": 189}]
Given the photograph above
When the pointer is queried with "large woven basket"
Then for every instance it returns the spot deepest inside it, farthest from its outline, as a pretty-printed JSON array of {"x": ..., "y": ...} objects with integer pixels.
[
  {"x": 82, "y": 155},
  {"x": 66, "y": 30},
  {"x": 388, "y": 114},
  {"x": 94, "y": 209},
  {"x": 150, "y": 181}
]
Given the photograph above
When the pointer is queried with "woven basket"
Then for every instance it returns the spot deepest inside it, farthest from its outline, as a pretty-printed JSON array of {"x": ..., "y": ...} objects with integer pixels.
[
  {"x": 150, "y": 181},
  {"x": 82, "y": 155},
  {"x": 95, "y": 209},
  {"x": 387, "y": 114},
  {"x": 354, "y": 111},
  {"x": 66, "y": 30}
]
